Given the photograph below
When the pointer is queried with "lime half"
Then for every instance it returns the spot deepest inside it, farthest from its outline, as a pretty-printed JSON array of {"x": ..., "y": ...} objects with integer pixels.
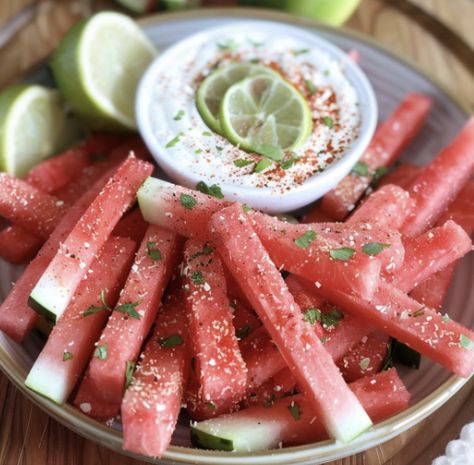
[
  {"x": 264, "y": 114},
  {"x": 213, "y": 88},
  {"x": 32, "y": 124},
  {"x": 97, "y": 67}
]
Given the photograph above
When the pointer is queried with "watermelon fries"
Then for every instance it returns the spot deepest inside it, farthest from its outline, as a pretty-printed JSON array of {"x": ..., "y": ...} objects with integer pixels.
[{"x": 270, "y": 333}]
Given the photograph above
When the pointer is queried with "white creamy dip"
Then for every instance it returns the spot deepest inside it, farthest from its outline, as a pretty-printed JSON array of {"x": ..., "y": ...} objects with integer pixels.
[{"x": 194, "y": 147}]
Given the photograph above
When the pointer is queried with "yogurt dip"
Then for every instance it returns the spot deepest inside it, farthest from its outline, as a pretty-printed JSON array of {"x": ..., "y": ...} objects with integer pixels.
[{"x": 341, "y": 100}]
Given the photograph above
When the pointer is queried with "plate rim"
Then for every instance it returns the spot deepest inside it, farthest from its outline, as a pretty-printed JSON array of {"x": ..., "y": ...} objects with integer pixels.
[{"x": 386, "y": 430}]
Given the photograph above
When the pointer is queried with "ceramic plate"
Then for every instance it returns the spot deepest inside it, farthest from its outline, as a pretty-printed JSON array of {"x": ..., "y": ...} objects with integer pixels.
[{"x": 430, "y": 386}]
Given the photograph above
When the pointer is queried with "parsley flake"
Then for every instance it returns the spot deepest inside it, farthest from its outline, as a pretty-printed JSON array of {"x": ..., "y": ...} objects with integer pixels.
[
  {"x": 206, "y": 250},
  {"x": 328, "y": 121},
  {"x": 97, "y": 308},
  {"x": 311, "y": 315},
  {"x": 197, "y": 277},
  {"x": 243, "y": 332},
  {"x": 466, "y": 342},
  {"x": 374, "y": 248},
  {"x": 67, "y": 356},
  {"x": 229, "y": 45},
  {"x": 419, "y": 312},
  {"x": 262, "y": 165},
  {"x": 153, "y": 252},
  {"x": 312, "y": 89},
  {"x": 301, "y": 51},
  {"x": 171, "y": 341},
  {"x": 273, "y": 153},
  {"x": 101, "y": 352},
  {"x": 289, "y": 163},
  {"x": 332, "y": 318},
  {"x": 304, "y": 240},
  {"x": 174, "y": 141},
  {"x": 179, "y": 115},
  {"x": 246, "y": 208},
  {"x": 241, "y": 162},
  {"x": 379, "y": 173},
  {"x": 207, "y": 133},
  {"x": 211, "y": 406},
  {"x": 130, "y": 309},
  {"x": 294, "y": 409},
  {"x": 342, "y": 254},
  {"x": 360, "y": 169},
  {"x": 213, "y": 190},
  {"x": 446, "y": 318},
  {"x": 187, "y": 201},
  {"x": 129, "y": 371},
  {"x": 198, "y": 151}
]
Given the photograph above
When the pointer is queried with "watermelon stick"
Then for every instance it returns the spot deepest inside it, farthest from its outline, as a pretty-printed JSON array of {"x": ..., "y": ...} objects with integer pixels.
[
  {"x": 56, "y": 286},
  {"x": 402, "y": 176},
  {"x": 27, "y": 206},
  {"x": 131, "y": 320},
  {"x": 152, "y": 403},
  {"x": 421, "y": 328},
  {"x": 186, "y": 212},
  {"x": 341, "y": 413},
  {"x": 219, "y": 369},
  {"x": 433, "y": 290},
  {"x": 17, "y": 245},
  {"x": 71, "y": 342},
  {"x": 438, "y": 183},
  {"x": 431, "y": 252},
  {"x": 389, "y": 141},
  {"x": 16, "y": 317},
  {"x": 293, "y": 420}
]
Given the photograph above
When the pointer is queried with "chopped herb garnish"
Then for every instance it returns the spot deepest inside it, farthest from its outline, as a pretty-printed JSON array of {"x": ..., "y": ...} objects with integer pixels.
[
  {"x": 246, "y": 208},
  {"x": 187, "y": 201},
  {"x": 419, "y": 312},
  {"x": 364, "y": 363},
  {"x": 174, "y": 141},
  {"x": 379, "y": 173},
  {"x": 255, "y": 60},
  {"x": 129, "y": 370},
  {"x": 303, "y": 241},
  {"x": 289, "y": 163},
  {"x": 446, "y": 317},
  {"x": 374, "y": 248},
  {"x": 67, "y": 356},
  {"x": 311, "y": 315},
  {"x": 328, "y": 121},
  {"x": 207, "y": 133},
  {"x": 294, "y": 409},
  {"x": 243, "y": 331},
  {"x": 153, "y": 252},
  {"x": 213, "y": 190},
  {"x": 301, "y": 51},
  {"x": 360, "y": 169},
  {"x": 219, "y": 148},
  {"x": 130, "y": 309},
  {"x": 101, "y": 352},
  {"x": 198, "y": 151},
  {"x": 312, "y": 89},
  {"x": 328, "y": 320},
  {"x": 326, "y": 72},
  {"x": 269, "y": 401},
  {"x": 228, "y": 46},
  {"x": 171, "y": 341},
  {"x": 262, "y": 165},
  {"x": 179, "y": 115},
  {"x": 97, "y": 308},
  {"x": 343, "y": 254},
  {"x": 254, "y": 43},
  {"x": 206, "y": 250},
  {"x": 211, "y": 405},
  {"x": 466, "y": 342},
  {"x": 274, "y": 153},
  {"x": 197, "y": 277},
  {"x": 241, "y": 162}
]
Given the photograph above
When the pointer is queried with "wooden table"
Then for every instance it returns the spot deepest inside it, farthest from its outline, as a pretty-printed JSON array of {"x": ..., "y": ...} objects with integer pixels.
[{"x": 436, "y": 34}]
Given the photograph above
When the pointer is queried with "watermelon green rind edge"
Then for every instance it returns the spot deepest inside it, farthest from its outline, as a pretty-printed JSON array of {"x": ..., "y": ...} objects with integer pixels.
[
  {"x": 35, "y": 303},
  {"x": 43, "y": 380},
  {"x": 149, "y": 199},
  {"x": 205, "y": 440}
]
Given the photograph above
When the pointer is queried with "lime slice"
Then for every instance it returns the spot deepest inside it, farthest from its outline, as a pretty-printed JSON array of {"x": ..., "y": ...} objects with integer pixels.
[
  {"x": 213, "y": 88},
  {"x": 32, "y": 127},
  {"x": 97, "y": 67},
  {"x": 266, "y": 115}
]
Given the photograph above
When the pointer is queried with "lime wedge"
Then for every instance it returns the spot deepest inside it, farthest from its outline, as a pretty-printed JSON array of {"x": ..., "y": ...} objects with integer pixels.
[
  {"x": 97, "y": 67},
  {"x": 213, "y": 88},
  {"x": 266, "y": 115},
  {"x": 32, "y": 127}
]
